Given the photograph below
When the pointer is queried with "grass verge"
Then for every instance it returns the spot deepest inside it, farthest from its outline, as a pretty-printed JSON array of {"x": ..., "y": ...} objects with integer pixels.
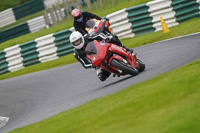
[
  {"x": 191, "y": 26},
  {"x": 167, "y": 103}
]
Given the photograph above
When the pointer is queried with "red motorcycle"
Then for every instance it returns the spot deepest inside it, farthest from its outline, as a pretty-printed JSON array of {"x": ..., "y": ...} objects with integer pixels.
[
  {"x": 113, "y": 58},
  {"x": 108, "y": 56}
]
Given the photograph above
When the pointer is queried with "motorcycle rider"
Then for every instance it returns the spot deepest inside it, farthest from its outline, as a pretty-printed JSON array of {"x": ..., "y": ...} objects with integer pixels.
[
  {"x": 80, "y": 20},
  {"x": 79, "y": 43}
]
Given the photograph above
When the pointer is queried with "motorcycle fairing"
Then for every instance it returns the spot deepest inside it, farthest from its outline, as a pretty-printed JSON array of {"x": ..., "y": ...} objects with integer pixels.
[
  {"x": 98, "y": 28},
  {"x": 97, "y": 53},
  {"x": 121, "y": 51},
  {"x": 101, "y": 49}
]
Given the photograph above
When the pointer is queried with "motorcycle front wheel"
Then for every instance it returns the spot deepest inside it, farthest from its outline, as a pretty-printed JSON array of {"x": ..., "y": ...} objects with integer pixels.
[
  {"x": 142, "y": 65},
  {"x": 126, "y": 68}
]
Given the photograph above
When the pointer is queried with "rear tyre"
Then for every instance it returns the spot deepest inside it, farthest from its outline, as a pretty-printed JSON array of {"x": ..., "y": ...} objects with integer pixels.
[
  {"x": 126, "y": 68},
  {"x": 142, "y": 65}
]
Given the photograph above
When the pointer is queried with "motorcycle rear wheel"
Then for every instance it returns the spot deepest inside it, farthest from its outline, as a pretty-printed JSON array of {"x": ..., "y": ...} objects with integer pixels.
[{"x": 124, "y": 67}]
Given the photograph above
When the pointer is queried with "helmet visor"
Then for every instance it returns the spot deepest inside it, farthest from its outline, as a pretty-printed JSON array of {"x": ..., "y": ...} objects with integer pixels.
[
  {"x": 77, "y": 42},
  {"x": 79, "y": 18}
]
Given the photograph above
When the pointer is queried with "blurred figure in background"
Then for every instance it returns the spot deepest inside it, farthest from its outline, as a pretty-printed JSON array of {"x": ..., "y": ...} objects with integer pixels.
[{"x": 80, "y": 19}]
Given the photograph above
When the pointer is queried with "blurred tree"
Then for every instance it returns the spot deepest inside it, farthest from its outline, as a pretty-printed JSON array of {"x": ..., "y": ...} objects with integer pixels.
[
  {"x": 114, "y": 2},
  {"x": 89, "y": 5},
  {"x": 100, "y": 2}
]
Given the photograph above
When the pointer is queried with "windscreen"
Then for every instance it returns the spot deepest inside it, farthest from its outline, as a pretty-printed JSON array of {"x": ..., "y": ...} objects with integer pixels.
[
  {"x": 91, "y": 49},
  {"x": 90, "y": 23}
]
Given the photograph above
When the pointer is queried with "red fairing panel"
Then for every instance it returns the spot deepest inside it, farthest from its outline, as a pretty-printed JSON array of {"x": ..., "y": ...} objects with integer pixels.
[
  {"x": 102, "y": 49},
  {"x": 121, "y": 51}
]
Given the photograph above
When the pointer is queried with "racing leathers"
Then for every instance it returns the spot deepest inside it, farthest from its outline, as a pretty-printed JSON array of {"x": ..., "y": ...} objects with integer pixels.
[{"x": 80, "y": 26}]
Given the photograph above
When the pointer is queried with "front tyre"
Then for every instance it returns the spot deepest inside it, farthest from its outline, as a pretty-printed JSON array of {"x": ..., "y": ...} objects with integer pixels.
[
  {"x": 126, "y": 68},
  {"x": 142, "y": 65}
]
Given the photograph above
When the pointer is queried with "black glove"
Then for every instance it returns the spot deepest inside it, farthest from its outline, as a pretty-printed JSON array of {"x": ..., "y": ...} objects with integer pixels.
[
  {"x": 86, "y": 36},
  {"x": 103, "y": 19},
  {"x": 108, "y": 38}
]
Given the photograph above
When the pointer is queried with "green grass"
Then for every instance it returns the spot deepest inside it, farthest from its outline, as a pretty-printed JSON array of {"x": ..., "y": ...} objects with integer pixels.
[
  {"x": 168, "y": 103},
  {"x": 191, "y": 26},
  {"x": 68, "y": 23}
]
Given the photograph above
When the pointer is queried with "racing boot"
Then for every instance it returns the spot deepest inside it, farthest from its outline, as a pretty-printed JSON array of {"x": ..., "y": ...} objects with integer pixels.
[{"x": 102, "y": 74}]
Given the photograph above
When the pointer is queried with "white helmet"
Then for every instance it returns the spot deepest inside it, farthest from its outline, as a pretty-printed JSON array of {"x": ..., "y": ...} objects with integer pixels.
[{"x": 77, "y": 40}]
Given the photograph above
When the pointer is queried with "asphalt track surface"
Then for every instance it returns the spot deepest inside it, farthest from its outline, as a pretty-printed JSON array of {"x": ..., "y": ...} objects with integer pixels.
[{"x": 33, "y": 97}]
